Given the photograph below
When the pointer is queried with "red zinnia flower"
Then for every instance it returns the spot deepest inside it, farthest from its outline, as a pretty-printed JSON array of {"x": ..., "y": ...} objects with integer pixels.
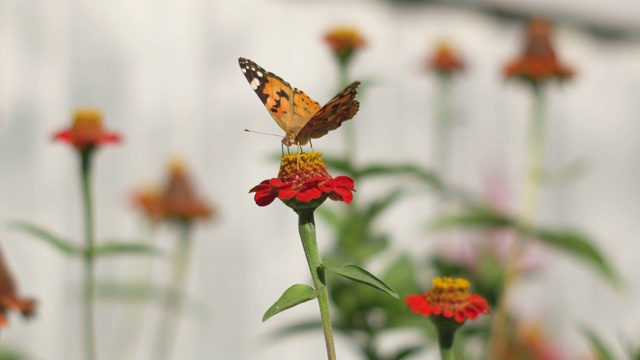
[
  {"x": 445, "y": 60},
  {"x": 9, "y": 298},
  {"x": 344, "y": 41},
  {"x": 449, "y": 298},
  {"x": 303, "y": 182},
  {"x": 538, "y": 63},
  {"x": 87, "y": 131}
]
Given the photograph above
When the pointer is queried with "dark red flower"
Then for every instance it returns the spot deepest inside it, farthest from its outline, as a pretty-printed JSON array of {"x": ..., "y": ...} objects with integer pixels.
[
  {"x": 87, "y": 131},
  {"x": 449, "y": 298},
  {"x": 538, "y": 62},
  {"x": 9, "y": 298},
  {"x": 303, "y": 182},
  {"x": 445, "y": 60}
]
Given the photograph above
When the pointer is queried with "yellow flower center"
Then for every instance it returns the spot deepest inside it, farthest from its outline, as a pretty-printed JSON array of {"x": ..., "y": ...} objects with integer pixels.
[
  {"x": 84, "y": 119},
  {"x": 447, "y": 290},
  {"x": 298, "y": 168}
]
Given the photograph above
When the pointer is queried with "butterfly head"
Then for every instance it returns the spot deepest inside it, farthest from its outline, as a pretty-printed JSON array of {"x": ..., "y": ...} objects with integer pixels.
[{"x": 289, "y": 139}]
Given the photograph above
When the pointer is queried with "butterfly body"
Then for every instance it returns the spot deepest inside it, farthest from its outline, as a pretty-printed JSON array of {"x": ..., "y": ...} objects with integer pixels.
[{"x": 301, "y": 118}]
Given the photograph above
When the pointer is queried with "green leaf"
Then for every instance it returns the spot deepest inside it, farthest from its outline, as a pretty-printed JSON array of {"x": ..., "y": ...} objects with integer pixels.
[
  {"x": 579, "y": 246},
  {"x": 568, "y": 241},
  {"x": 427, "y": 176},
  {"x": 140, "y": 292},
  {"x": 293, "y": 296},
  {"x": 358, "y": 274},
  {"x": 602, "y": 351},
  {"x": 126, "y": 248},
  {"x": 58, "y": 243}
]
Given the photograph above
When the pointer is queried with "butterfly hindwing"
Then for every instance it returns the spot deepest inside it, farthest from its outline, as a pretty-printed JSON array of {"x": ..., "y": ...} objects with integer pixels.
[{"x": 341, "y": 108}]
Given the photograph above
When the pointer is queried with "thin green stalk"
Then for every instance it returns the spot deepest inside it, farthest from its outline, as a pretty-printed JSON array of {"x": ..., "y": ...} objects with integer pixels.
[
  {"x": 131, "y": 327},
  {"x": 442, "y": 133},
  {"x": 445, "y": 341},
  {"x": 88, "y": 318},
  {"x": 168, "y": 327},
  {"x": 443, "y": 124},
  {"x": 528, "y": 207},
  {"x": 307, "y": 229}
]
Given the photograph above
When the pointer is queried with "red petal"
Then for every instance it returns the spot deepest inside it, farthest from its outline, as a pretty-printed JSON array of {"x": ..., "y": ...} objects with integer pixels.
[
  {"x": 64, "y": 135},
  {"x": 260, "y": 186},
  {"x": 345, "y": 181},
  {"x": 110, "y": 138},
  {"x": 416, "y": 303}
]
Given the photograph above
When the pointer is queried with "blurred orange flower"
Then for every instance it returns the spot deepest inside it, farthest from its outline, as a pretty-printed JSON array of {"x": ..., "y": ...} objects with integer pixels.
[
  {"x": 9, "y": 298},
  {"x": 538, "y": 63},
  {"x": 344, "y": 41},
  {"x": 303, "y": 182},
  {"x": 179, "y": 198},
  {"x": 449, "y": 298},
  {"x": 149, "y": 200},
  {"x": 87, "y": 131},
  {"x": 445, "y": 60}
]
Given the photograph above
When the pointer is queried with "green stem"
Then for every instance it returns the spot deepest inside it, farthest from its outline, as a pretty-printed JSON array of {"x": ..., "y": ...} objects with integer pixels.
[
  {"x": 131, "y": 328},
  {"x": 443, "y": 124},
  {"x": 307, "y": 229},
  {"x": 168, "y": 327},
  {"x": 445, "y": 342},
  {"x": 442, "y": 133},
  {"x": 528, "y": 207},
  {"x": 88, "y": 318}
]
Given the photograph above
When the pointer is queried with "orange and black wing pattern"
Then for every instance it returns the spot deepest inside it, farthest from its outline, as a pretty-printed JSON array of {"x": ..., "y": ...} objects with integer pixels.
[
  {"x": 341, "y": 108},
  {"x": 289, "y": 107}
]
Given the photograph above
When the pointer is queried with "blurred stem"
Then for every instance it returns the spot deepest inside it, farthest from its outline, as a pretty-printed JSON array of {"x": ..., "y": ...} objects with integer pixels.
[
  {"x": 132, "y": 327},
  {"x": 307, "y": 229},
  {"x": 528, "y": 207},
  {"x": 443, "y": 126},
  {"x": 168, "y": 328},
  {"x": 88, "y": 317},
  {"x": 349, "y": 129},
  {"x": 447, "y": 354},
  {"x": 370, "y": 345}
]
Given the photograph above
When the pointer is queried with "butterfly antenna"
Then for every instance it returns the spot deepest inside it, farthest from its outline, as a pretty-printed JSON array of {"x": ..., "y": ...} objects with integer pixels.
[{"x": 259, "y": 132}]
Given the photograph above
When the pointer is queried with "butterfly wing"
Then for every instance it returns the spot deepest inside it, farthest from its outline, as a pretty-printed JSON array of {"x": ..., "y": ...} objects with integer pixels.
[
  {"x": 341, "y": 108},
  {"x": 289, "y": 107}
]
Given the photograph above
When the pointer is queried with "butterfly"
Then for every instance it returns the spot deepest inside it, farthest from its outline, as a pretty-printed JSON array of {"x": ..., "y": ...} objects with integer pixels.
[{"x": 301, "y": 118}]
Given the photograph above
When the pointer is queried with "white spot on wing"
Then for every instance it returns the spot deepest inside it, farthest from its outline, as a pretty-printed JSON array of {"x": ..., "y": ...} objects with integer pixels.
[
  {"x": 255, "y": 83},
  {"x": 244, "y": 70},
  {"x": 259, "y": 74}
]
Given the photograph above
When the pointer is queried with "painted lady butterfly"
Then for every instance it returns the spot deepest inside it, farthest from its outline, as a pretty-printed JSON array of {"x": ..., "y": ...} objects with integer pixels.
[{"x": 301, "y": 118}]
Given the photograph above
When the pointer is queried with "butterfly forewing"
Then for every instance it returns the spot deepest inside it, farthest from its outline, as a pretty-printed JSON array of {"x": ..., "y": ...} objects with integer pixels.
[
  {"x": 274, "y": 92},
  {"x": 290, "y": 108},
  {"x": 341, "y": 108}
]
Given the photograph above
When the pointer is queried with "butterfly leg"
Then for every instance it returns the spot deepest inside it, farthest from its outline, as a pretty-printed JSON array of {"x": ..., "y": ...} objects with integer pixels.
[{"x": 311, "y": 144}]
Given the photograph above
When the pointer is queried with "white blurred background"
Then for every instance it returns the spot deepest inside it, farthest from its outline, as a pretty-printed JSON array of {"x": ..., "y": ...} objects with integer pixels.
[{"x": 165, "y": 74}]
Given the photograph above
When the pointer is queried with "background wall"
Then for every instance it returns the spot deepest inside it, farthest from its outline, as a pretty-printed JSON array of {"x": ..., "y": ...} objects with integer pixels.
[{"x": 165, "y": 74}]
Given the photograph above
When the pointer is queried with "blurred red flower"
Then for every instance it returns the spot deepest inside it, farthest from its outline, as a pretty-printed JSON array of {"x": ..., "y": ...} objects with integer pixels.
[
  {"x": 538, "y": 62},
  {"x": 87, "y": 131},
  {"x": 445, "y": 60},
  {"x": 449, "y": 298},
  {"x": 344, "y": 41}
]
